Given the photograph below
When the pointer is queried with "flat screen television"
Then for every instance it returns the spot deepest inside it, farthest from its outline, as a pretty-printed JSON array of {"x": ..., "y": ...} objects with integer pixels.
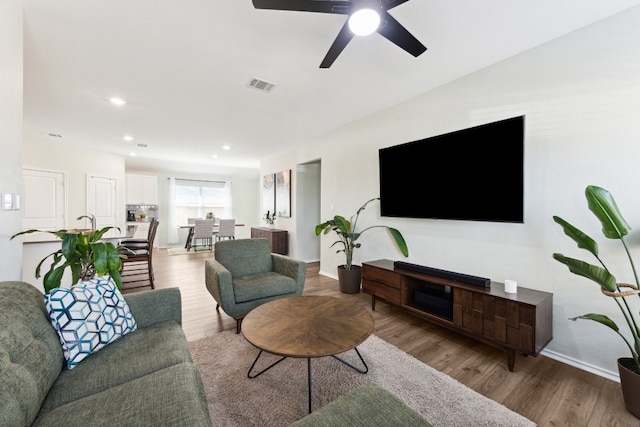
[{"x": 474, "y": 174}]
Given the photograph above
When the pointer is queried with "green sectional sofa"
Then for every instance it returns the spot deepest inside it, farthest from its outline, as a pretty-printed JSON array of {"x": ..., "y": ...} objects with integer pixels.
[
  {"x": 145, "y": 378},
  {"x": 369, "y": 405}
]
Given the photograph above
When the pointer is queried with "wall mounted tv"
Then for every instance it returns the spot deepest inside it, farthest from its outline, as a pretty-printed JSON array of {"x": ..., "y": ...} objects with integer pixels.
[{"x": 474, "y": 174}]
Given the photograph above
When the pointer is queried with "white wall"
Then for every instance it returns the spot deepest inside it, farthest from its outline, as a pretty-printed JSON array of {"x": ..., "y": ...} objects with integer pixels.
[
  {"x": 245, "y": 199},
  {"x": 11, "y": 130},
  {"x": 581, "y": 98},
  {"x": 51, "y": 154},
  {"x": 273, "y": 165},
  {"x": 308, "y": 206}
]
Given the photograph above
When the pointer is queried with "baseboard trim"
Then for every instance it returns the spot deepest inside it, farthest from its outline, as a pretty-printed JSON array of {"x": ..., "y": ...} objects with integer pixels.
[
  {"x": 324, "y": 273},
  {"x": 604, "y": 373}
]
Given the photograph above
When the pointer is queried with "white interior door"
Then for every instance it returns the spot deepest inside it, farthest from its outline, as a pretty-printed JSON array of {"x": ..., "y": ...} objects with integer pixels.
[
  {"x": 101, "y": 202},
  {"x": 43, "y": 202}
]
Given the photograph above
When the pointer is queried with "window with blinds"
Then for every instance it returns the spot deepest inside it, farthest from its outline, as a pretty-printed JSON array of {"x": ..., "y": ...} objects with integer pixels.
[{"x": 196, "y": 199}]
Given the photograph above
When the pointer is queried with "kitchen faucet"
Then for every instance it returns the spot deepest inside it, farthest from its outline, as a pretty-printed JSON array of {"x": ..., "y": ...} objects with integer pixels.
[{"x": 90, "y": 217}]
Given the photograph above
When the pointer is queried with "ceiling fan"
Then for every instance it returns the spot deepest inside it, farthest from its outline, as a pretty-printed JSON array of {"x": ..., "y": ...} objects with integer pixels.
[{"x": 372, "y": 11}]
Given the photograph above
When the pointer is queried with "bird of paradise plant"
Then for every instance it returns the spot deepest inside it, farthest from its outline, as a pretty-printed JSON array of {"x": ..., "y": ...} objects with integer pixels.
[
  {"x": 604, "y": 207},
  {"x": 348, "y": 236}
]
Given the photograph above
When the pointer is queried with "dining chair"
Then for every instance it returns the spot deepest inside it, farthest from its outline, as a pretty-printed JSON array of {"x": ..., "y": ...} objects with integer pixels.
[
  {"x": 226, "y": 229},
  {"x": 192, "y": 222},
  {"x": 203, "y": 231},
  {"x": 137, "y": 265}
]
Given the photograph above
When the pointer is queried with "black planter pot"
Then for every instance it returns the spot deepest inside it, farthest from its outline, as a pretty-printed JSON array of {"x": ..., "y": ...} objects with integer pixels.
[
  {"x": 349, "y": 280},
  {"x": 630, "y": 382}
]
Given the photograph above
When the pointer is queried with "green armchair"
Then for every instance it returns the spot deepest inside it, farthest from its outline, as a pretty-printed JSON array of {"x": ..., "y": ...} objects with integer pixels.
[{"x": 245, "y": 274}]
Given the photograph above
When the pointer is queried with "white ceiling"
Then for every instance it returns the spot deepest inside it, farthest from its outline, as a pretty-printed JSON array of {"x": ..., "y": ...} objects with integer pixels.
[{"x": 184, "y": 68}]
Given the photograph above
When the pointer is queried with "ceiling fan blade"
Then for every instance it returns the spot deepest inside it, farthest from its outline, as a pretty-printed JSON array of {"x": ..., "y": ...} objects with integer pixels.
[
  {"x": 390, "y": 4},
  {"x": 342, "y": 40},
  {"x": 393, "y": 31},
  {"x": 322, "y": 6}
]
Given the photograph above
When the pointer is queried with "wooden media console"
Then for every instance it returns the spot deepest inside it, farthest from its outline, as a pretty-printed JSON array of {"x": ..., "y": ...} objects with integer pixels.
[{"x": 520, "y": 322}]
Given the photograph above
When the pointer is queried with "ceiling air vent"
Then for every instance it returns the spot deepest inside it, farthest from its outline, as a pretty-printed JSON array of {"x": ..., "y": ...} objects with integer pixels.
[
  {"x": 141, "y": 145},
  {"x": 261, "y": 85}
]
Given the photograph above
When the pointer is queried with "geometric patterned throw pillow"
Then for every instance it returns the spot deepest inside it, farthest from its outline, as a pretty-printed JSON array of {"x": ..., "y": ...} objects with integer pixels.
[{"x": 88, "y": 316}]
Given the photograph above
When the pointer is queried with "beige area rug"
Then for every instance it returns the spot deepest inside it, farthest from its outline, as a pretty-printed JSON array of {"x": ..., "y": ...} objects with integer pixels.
[
  {"x": 279, "y": 396},
  {"x": 183, "y": 251}
]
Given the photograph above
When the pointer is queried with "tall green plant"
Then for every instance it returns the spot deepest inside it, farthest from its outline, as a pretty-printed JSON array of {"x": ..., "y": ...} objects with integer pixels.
[
  {"x": 348, "y": 236},
  {"x": 83, "y": 253},
  {"x": 604, "y": 207}
]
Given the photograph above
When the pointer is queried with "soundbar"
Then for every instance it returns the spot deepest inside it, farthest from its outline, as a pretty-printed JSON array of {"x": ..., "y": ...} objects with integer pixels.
[{"x": 458, "y": 277}]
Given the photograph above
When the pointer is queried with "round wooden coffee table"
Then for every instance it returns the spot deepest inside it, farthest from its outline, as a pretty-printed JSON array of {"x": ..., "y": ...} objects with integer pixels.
[{"x": 307, "y": 327}]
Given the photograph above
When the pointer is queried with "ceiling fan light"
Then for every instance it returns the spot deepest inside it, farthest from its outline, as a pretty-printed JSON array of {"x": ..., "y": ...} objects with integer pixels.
[{"x": 364, "y": 22}]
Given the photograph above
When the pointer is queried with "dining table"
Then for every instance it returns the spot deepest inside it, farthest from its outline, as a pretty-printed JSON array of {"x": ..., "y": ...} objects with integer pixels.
[{"x": 190, "y": 227}]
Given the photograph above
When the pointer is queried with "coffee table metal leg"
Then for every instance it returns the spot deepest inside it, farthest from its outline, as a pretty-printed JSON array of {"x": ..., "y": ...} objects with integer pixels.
[
  {"x": 360, "y": 370},
  {"x": 309, "y": 380},
  {"x": 249, "y": 375}
]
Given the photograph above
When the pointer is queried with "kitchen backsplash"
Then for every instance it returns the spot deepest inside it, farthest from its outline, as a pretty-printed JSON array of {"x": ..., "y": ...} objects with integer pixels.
[{"x": 141, "y": 213}]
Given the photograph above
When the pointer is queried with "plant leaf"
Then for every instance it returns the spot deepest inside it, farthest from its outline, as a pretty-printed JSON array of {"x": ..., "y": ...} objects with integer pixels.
[
  {"x": 76, "y": 271},
  {"x": 53, "y": 278},
  {"x": 69, "y": 243},
  {"x": 581, "y": 238},
  {"x": 115, "y": 275},
  {"x": 402, "y": 244},
  {"x": 100, "y": 261},
  {"x": 343, "y": 224},
  {"x": 604, "y": 207},
  {"x": 600, "y": 318},
  {"x": 113, "y": 257},
  {"x": 597, "y": 274}
]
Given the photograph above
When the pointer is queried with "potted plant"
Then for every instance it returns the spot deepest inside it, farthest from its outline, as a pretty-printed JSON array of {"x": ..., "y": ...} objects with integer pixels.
[
  {"x": 604, "y": 207},
  {"x": 349, "y": 275},
  {"x": 83, "y": 252},
  {"x": 270, "y": 218}
]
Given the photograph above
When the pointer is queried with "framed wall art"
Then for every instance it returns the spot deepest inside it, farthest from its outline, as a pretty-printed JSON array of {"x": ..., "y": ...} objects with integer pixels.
[
  {"x": 283, "y": 193},
  {"x": 269, "y": 193}
]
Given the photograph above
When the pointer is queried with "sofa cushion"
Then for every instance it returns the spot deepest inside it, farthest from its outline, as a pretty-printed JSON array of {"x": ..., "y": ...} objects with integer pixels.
[
  {"x": 369, "y": 405},
  {"x": 30, "y": 353},
  {"x": 244, "y": 256},
  {"x": 173, "y": 396},
  {"x": 133, "y": 356},
  {"x": 258, "y": 286},
  {"x": 88, "y": 316}
]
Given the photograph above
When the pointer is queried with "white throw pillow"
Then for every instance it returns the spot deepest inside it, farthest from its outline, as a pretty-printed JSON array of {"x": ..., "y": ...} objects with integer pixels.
[{"x": 88, "y": 316}]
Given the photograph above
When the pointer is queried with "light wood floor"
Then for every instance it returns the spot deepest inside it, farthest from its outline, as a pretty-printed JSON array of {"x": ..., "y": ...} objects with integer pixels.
[{"x": 547, "y": 392}]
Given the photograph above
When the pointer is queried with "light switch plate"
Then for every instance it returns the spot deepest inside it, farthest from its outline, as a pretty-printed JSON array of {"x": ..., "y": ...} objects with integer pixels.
[{"x": 7, "y": 201}]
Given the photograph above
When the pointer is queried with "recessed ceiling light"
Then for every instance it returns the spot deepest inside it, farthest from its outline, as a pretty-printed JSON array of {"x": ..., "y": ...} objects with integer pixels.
[
  {"x": 132, "y": 154},
  {"x": 117, "y": 101},
  {"x": 226, "y": 147},
  {"x": 127, "y": 138},
  {"x": 215, "y": 156}
]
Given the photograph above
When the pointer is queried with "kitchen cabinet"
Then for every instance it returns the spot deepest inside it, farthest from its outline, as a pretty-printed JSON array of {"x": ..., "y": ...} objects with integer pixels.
[{"x": 142, "y": 189}]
